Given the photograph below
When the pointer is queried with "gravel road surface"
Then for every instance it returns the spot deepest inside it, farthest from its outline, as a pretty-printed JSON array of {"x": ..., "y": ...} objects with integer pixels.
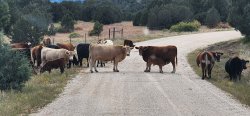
[{"x": 135, "y": 93}]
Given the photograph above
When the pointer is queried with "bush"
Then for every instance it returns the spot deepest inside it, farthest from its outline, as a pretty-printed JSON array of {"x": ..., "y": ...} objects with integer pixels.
[
  {"x": 74, "y": 35},
  {"x": 239, "y": 16},
  {"x": 186, "y": 26},
  {"x": 97, "y": 30},
  {"x": 14, "y": 68},
  {"x": 67, "y": 23},
  {"x": 212, "y": 18}
]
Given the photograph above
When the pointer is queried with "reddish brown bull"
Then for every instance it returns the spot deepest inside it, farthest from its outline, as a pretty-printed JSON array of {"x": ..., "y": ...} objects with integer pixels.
[
  {"x": 20, "y": 45},
  {"x": 207, "y": 60},
  {"x": 158, "y": 55}
]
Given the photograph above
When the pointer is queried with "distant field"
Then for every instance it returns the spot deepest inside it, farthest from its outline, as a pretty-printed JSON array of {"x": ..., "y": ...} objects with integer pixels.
[
  {"x": 134, "y": 33},
  {"x": 240, "y": 90}
]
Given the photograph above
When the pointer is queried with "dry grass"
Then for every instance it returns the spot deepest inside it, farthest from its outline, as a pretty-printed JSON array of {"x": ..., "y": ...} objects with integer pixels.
[
  {"x": 240, "y": 90},
  {"x": 134, "y": 33},
  {"x": 38, "y": 91}
]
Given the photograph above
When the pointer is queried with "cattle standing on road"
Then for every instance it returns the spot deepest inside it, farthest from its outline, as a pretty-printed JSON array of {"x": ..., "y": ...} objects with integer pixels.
[
  {"x": 235, "y": 66},
  {"x": 158, "y": 55},
  {"x": 128, "y": 43},
  {"x": 70, "y": 47},
  {"x": 207, "y": 60},
  {"x": 82, "y": 52},
  {"x": 105, "y": 43},
  {"x": 54, "y": 58},
  {"x": 107, "y": 53},
  {"x": 46, "y": 41}
]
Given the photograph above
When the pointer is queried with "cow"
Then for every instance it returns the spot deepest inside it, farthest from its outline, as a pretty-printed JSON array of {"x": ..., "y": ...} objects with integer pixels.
[
  {"x": 234, "y": 67},
  {"x": 207, "y": 60},
  {"x": 36, "y": 55},
  {"x": 158, "y": 55},
  {"x": 128, "y": 43},
  {"x": 46, "y": 41},
  {"x": 105, "y": 43},
  {"x": 53, "y": 46},
  {"x": 70, "y": 47},
  {"x": 82, "y": 52},
  {"x": 21, "y": 45},
  {"x": 107, "y": 53},
  {"x": 54, "y": 58}
]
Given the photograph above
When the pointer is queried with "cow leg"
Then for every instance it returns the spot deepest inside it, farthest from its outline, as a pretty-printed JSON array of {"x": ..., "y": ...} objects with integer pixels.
[
  {"x": 160, "y": 67},
  {"x": 62, "y": 69},
  {"x": 116, "y": 65},
  {"x": 174, "y": 69},
  {"x": 91, "y": 65},
  {"x": 87, "y": 62},
  {"x": 80, "y": 61},
  {"x": 95, "y": 65},
  {"x": 203, "y": 73},
  {"x": 148, "y": 67}
]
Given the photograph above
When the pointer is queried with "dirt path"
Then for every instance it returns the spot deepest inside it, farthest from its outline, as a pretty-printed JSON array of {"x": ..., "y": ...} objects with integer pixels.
[{"x": 133, "y": 92}]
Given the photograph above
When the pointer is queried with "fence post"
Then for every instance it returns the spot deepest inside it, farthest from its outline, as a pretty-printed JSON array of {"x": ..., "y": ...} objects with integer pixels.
[
  {"x": 122, "y": 33},
  {"x": 114, "y": 33},
  {"x": 70, "y": 40},
  {"x": 85, "y": 37},
  {"x": 109, "y": 33}
]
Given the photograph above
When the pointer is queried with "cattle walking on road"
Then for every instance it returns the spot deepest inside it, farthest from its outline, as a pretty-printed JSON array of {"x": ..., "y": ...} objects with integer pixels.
[
  {"x": 82, "y": 52},
  {"x": 107, "y": 53},
  {"x": 207, "y": 60},
  {"x": 235, "y": 66},
  {"x": 158, "y": 55}
]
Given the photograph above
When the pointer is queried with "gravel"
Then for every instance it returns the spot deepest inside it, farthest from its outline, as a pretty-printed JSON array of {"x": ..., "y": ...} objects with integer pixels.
[{"x": 133, "y": 92}]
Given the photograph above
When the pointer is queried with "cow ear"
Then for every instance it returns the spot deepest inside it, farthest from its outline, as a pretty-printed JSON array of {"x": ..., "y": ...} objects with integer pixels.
[
  {"x": 247, "y": 61},
  {"x": 136, "y": 47}
]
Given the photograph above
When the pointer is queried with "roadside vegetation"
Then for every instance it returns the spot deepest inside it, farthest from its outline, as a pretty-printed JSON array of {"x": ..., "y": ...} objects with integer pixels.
[{"x": 240, "y": 89}]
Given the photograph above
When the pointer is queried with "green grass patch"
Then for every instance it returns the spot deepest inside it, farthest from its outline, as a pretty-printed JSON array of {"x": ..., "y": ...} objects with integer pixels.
[
  {"x": 186, "y": 26},
  {"x": 240, "y": 89},
  {"x": 38, "y": 92}
]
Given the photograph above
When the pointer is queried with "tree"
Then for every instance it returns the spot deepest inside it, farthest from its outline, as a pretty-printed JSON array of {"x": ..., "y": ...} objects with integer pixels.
[
  {"x": 212, "y": 18},
  {"x": 11, "y": 61},
  {"x": 4, "y": 14},
  {"x": 67, "y": 23},
  {"x": 137, "y": 19},
  {"x": 97, "y": 30},
  {"x": 107, "y": 14},
  {"x": 239, "y": 16}
]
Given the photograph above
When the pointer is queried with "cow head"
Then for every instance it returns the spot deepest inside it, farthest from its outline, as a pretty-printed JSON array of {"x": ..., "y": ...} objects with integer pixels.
[
  {"x": 141, "y": 49},
  {"x": 128, "y": 50},
  {"x": 217, "y": 55},
  {"x": 244, "y": 63},
  {"x": 70, "y": 54}
]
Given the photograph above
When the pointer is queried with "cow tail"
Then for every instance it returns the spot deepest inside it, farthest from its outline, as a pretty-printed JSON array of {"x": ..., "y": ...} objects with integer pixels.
[
  {"x": 90, "y": 46},
  {"x": 206, "y": 60},
  {"x": 176, "y": 57}
]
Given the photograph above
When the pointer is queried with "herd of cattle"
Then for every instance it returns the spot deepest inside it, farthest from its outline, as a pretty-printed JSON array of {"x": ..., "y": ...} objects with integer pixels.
[{"x": 45, "y": 57}]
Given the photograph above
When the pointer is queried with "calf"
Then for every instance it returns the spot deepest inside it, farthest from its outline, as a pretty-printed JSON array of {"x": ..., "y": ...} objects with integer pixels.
[
  {"x": 54, "y": 58},
  {"x": 235, "y": 66},
  {"x": 207, "y": 60},
  {"x": 158, "y": 55},
  {"x": 82, "y": 52},
  {"x": 107, "y": 53},
  {"x": 21, "y": 45},
  {"x": 69, "y": 47}
]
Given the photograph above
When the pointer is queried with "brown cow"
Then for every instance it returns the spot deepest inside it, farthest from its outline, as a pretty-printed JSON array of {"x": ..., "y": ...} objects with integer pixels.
[
  {"x": 36, "y": 55},
  {"x": 128, "y": 43},
  {"x": 206, "y": 60},
  {"x": 158, "y": 55},
  {"x": 70, "y": 47},
  {"x": 54, "y": 58},
  {"x": 107, "y": 53},
  {"x": 46, "y": 41}
]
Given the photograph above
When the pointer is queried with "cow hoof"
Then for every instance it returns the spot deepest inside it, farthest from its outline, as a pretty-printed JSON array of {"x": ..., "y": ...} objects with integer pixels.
[
  {"x": 96, "y": 70},
  {"x": 146, "y": 71},
  {"x": 92, "y": 71},
  {"x": 161, "y": 72},
  {"x": 173, "y": 72},
  {"x": 202, "y": 78}
]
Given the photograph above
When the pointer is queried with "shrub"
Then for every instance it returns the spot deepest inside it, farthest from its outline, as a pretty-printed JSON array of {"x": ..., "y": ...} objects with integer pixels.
[
  {"x": 212, "y": 18},
  {"x": 186, "y": 26},
  {"x": 97, "y": 30},
  {"x": 74, "y": 35},
  {"x": 14, "y": 68},
  {"x": 67, "y": 23}
]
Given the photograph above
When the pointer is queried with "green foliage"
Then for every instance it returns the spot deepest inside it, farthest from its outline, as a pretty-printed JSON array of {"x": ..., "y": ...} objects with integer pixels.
[
  {"x": 74, "y": 35},
  {"x": 67, "y": 23},
  {"x": 186, "y": 26},
  {"x": 168, "y": 15},
  {"x": 212, "y": 18},
  {"x": 14, "y": 68},
  {"x": 52, "y": 30},
  {"x": 4, "y": 15},
  {"x": 137, "y": 19},
  {"x": 239, "y": 16},
  {"x": 107, "y": 14},
  {"x": 97, "y": 30}
]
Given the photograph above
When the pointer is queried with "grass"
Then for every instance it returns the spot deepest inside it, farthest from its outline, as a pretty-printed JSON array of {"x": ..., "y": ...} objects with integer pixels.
[
  {"x": 38, "y": 92},
  {"x": 240, "y": 89}
]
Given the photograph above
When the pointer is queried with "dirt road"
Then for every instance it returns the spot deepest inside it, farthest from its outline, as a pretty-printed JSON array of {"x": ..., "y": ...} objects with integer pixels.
[{"x": 133, "y": 92}]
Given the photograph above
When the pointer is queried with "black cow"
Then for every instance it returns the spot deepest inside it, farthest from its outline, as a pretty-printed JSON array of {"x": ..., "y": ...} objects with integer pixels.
[
  {"x": 53, "y": 46},
  {"x": 235, "y": 66},
  {"x": 82, "y": 52},
  {"x": 128, "y": 43}
]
